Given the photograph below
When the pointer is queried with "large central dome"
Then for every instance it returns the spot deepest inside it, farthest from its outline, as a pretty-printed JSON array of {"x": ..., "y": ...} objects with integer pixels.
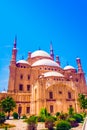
[
  {"x": 46, "y": 62},
  {"x": 40, "y": 53}
]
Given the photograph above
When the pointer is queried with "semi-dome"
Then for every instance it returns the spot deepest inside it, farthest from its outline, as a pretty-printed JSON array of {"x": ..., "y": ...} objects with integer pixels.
[
  {"x": 22, "y": 62},
  {"x": 68, "y": 67},
  {"x": 40, "y": 53},
  {"x": 46, "y": 62},
  {"x": 53, "y": 73}
]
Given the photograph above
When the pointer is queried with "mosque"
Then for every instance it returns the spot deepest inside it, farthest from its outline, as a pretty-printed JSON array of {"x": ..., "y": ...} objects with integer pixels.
[{"x": 40, "y": 82}]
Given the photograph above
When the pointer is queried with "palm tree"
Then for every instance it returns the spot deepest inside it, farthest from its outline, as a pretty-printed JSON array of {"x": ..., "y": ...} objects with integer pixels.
[{"x": 8, "y": 104}]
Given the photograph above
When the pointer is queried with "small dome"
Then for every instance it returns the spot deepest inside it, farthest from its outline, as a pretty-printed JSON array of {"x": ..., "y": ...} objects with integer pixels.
[
  {"x": 53, "y": 73},
  {"x": 22, "y": 62},
  {"x": 40, "y": 53},
  {"x": 46, "y": 62},
  {"x": 4, "y": 91},
  {"x": 68, "y": 67}
]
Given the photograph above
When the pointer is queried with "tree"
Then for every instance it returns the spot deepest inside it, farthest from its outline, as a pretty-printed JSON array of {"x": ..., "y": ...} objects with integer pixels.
[
  {"x": 71, "y": 111},
  {"x": 82, "y": 102},
  {"x": 8, "y": 104},
  {"x": 43, "y": 112}
]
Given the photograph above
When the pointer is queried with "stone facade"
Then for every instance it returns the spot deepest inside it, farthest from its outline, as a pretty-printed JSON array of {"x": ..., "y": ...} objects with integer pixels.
[{"x": 42, "y": 82}]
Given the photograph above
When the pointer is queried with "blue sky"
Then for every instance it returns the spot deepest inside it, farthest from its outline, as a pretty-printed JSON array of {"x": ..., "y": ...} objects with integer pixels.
[{"x": 36, "y": 23}]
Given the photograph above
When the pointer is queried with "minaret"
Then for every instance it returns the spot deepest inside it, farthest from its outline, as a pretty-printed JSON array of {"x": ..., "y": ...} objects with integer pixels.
[
  {"x": 12, "y": 69},
  {"x": 14, "y": 52},
  {"x": 57, "y": 60},
  {"x": 82, "y": 80},
  {"x": 51, "y": 51},
  {"x": 79, "y": 65}
]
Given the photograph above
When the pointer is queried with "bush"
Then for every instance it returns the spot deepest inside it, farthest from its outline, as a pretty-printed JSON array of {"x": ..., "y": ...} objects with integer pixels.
[
  {"x": 15, "y": 115},
  {"x": 24, "y": 117},
  {"x": 73, "y": 122},
  {"x": 63, "y": 125},
  {"x": 63, "y": 116},
  {"x": 83, "y": 114},
  {"x": 49, "y": 122},
  {"x": 57, "y": 113},
  {"x": 71, "y": 111},
  {"x": 32, "y": 120},
  {"x": 2, "y": 117},
  {"x": 41, "y": 119},
  {"x": 78, "y": 117}
]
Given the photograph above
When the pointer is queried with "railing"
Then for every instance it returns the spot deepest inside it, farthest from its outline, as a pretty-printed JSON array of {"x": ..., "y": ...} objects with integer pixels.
[{"x": 84, "y": 124}]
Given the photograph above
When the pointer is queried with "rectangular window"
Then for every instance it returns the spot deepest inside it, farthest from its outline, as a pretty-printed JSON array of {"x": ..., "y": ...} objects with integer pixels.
[
  {"x": 51, "y": 108},
  {"x": 28, "y": 77},
  {"x": 51, "y": 95},
  {"x": 27, "y": 109},
  {"x": 69, "y": 95},
  {"x": 60, "y": 92},
  {"x": 21, "y": 76},
  {"x": 28, "y": 87},
  {"x": 21, "y": 87}
]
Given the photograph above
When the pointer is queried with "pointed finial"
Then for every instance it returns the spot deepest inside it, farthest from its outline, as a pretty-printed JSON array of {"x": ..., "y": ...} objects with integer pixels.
[
  {"x": 22, "y": 57},
  {"x": 51, "y": 50},
  {"x": 51, "y": 47},
  {"x": 67, "y": 63},
  {"x": 15, "y": 41},
  {"x": 39, "y": 48}
]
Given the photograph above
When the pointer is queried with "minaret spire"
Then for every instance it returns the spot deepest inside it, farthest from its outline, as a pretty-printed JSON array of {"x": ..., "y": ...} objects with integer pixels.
[
  {"x": 51, "y": 50},
  {"x": 15, "y": 42},
  {"x": 14, "y": 52}
]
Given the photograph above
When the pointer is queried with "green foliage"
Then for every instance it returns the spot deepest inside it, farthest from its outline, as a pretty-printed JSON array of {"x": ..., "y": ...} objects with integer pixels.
[
  {"x": 82, "y": 101},
  {"x": 83, "y": 114},
  {"x": 2, "y": 117},
  {"x": 78, "y": 117},
  {"x": 24, "y": 117},
  {"x": 73, "y": 122},
  {"x": 8, "y": 104},
  {"x": 63, "y": 125},
  {"x": 32, "y": 120},
  {"x": 63, "y": 116},
  {"x": 50, "y": 119},
  {"x": 49, "y": 122},
  {"x": 43, "y": 112},
  {"x": 71, "y": 111},
  {"x": 6, "y": 126},
  {"x": 15, "y": 115},
  {"x": 41, "y": 119},
  {"x": 57, "y": 113}
]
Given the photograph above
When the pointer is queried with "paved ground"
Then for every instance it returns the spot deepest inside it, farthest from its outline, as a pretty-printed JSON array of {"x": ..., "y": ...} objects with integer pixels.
[
  {"x": 78, "y": 128},
  {"x": 20, "y": 125},
  {"x": 85, "y": 125}
]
